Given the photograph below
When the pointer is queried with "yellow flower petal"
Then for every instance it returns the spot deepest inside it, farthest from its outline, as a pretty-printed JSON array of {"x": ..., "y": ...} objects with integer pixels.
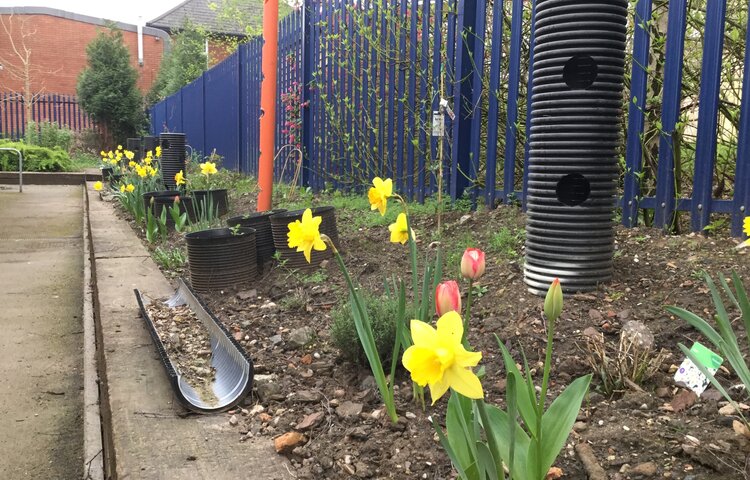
[
  {"x": 422, "y": 333},
  {"x": 464, "y": 382},
  {"x": 98, "y": 186},
  {"x": 423, "y": 365},
  {"x": 464, "y": 358},
  {"x": 450, "y": 328},
  {"x": 399, "y": 230},
  {"x": 746, "y": 226},
  {"x": 438, "y": 389}
]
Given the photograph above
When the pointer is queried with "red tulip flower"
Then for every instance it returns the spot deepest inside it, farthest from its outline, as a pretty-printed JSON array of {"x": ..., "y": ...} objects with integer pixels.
[
  {"x": 447, "y": 298},
  {"x": 472, "y": 264}
]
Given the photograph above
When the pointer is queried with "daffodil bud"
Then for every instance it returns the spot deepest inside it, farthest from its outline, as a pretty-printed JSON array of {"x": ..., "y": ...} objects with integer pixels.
[
  {"x": 553, "y": 302},
  {"x": 472, "y": 264},
  {"x": 447, "y": 298}
]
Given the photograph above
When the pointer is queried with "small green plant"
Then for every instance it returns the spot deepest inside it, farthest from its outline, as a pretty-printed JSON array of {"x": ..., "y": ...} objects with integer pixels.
[
  {"x": 382, "y": 312},
  {"x": 507, "y": 242},
  {"x": 479, "y": 290},
  {"x": 179, "y": 218},
  {"x": 725, "y": 340},
  {"x": 170, "y": 258},
  {"x": 206, "y": 214},
  {"x": 152, "y": 226}
]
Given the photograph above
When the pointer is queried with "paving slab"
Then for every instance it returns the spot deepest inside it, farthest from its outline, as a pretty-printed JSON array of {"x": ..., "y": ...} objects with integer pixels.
[
  {"x": 150, "y": 434},
  {"x": 41, "y": 378}
]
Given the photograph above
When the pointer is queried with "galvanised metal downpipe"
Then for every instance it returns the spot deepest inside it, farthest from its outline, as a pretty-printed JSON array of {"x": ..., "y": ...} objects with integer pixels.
[
  {"x": 172, "y": 157},
  {"x": 576, "y": 105}
]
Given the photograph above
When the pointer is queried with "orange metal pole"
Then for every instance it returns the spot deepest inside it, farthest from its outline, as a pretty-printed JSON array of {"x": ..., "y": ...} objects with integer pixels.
[{"x": 268, "y": 103}]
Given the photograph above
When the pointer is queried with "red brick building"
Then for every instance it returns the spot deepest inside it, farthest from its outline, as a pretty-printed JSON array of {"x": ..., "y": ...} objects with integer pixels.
[{"x": 56, "y": 44}]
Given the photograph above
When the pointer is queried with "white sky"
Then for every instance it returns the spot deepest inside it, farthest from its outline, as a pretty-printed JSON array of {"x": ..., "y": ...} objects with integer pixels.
[{"x": 126, "y": 11}]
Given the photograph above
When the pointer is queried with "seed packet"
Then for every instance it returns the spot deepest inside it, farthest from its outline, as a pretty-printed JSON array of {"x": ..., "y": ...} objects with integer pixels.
[{"x": 689, "y": 375}]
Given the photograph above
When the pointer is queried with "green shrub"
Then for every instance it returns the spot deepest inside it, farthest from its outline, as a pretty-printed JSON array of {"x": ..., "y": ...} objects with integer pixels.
[
  {"x": 49, "y": 135},
  {"x": 35, "y": 159},
  {"x": 382, "y": 312}
]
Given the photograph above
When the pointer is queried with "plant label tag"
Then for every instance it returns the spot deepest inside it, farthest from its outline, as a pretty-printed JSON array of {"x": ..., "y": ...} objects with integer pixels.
[
  {"x": 689, "y": 374},
  {"x": 438, "y": 124}
]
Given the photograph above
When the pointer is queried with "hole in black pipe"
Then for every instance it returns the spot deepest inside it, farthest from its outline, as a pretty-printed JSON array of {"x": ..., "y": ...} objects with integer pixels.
[
  {"x": 573, "y": 189},
  {"x": 580, "y": 71}
]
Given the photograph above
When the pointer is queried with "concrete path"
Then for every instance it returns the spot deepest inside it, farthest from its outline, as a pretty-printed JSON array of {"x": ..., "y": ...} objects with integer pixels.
[
  {"x": 151, "y": 438},
  {"x": 41, "y": 285}
]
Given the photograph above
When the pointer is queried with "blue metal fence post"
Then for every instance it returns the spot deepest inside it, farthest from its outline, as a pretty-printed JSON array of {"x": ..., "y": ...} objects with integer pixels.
[
  {"x": 636, "y": 114},
  {"x": 514, "y": 82},
  {"x": 307, "y": 78},
  {"x": 496, "y": 58},
  {"x": 464, "y": 162},
  {"x": 665, "y": 185},
  {"x": 741, "y": 201},
  {"x": 708, "y": 103}
]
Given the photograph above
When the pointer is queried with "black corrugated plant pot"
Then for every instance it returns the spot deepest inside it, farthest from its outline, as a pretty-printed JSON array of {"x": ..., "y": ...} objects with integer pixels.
[
  {"x": 165, "y": 199},
  {"x": 221, "y": 258},
  {"x": 293, "y": 259},
  {"x": 114, "y": 180},
  {"x": 261, "y": 222},
  {"x": 107, "y": 173},
  {"x": 219, "y": 199}
]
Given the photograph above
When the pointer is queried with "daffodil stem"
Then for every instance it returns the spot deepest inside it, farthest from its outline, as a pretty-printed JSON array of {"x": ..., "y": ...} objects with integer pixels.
[
  {"x": 491, "y": 441},
  {"x": 375, "y": 364}
]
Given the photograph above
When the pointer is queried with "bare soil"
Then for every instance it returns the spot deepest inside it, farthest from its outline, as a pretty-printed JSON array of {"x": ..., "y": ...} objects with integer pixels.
[{"x": 638, "y": 431}]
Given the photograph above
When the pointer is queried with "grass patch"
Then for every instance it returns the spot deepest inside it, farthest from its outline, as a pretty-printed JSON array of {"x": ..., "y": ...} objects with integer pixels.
[
  {"x": 507, "y": 242},
  {"x": 82, "y": 161}
]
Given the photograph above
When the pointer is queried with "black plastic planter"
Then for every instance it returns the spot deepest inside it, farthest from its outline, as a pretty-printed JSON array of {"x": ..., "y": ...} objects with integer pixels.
[
  {"x": 107, "y": 172},
  {"x": 576, "y": 103},
  {"x": 293, "y": 259},
  {"x": 115, "y": 179},
  {"x": 134, "y": 145},
  {"x": 165, "y": 199},
  {"x": 221, "y": 258},
  {"x": 172, "y": 157},
  {"x": 261, "y": 222},
  {"x": 216, "y": 199}
]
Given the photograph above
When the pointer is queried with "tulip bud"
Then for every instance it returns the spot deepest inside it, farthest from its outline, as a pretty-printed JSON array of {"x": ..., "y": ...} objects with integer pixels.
[
  {"x": 447, "y": 298},
  {"x": 553, "y": 302},
  {"x": 472, "y": 264}
]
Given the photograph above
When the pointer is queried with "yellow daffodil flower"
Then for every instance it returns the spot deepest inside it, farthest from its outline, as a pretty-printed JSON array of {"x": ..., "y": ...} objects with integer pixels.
[
  {"x": 141, "y": 171},
  {"x": 179, "y": 178},
  {"x": 129, "y": 155},
  {"x": 149, "y": 154},
  {"x": 130, "y": 187},
  {"x": 209, "y": 168},
  {"x": 158, "y": 151},
  {"x": 103, "y": 153},
  {"x": 119, "y": 147},
  {"x": 147, "y": 160},
  {"x": 305, "y": 234},
  {"x": 399, "y": 230},
  {"x": 122, "y": 188},
  {"x": 746, "y": 229},
  {"x": 151, "y": 171},
  {"x": 379, "y": 194},
  {"x": 110, "y": 154},
  {"x": 438, "y": 358},
  {"x": 132, "y": 164},
  {"x": 98, "y": 186}
]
